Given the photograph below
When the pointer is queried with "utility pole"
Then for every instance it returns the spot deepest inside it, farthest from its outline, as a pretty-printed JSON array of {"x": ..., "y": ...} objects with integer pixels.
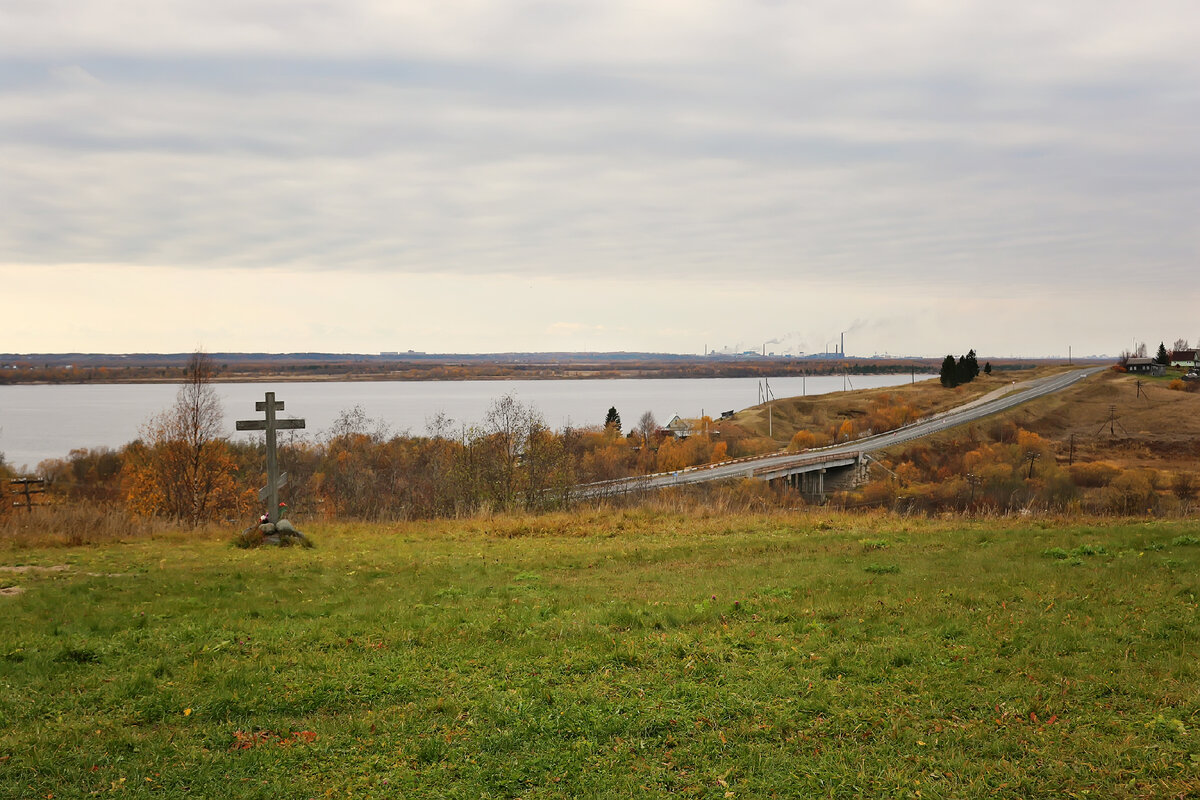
[
  {"x": 1032, "y": 457},
  {"x": 974, "y": 480},
  {"x": 1112, "y": 422}
]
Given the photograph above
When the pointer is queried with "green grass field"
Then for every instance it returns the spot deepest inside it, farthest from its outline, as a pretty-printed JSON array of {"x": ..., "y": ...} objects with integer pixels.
[{"x": 611, "y": 654}]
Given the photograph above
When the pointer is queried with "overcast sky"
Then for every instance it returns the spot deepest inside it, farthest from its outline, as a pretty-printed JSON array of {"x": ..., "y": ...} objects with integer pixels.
[{"x": 463, "y": 176}]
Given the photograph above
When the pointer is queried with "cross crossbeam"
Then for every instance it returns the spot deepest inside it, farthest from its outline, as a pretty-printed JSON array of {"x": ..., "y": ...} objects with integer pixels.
[{"x": 271, "y": 424}]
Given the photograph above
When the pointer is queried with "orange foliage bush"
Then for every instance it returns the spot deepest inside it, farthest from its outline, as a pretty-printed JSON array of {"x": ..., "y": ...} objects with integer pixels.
[
  {"x": 1094, "y": 474},
  {"x": 671, "y": 456},
  {"x": 803, "y": 440},
  {"x": 888, "y": 413}
]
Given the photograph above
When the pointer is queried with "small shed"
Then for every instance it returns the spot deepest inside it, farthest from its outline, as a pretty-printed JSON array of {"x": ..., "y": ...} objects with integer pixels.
[{"x": 1145, "y": 366}]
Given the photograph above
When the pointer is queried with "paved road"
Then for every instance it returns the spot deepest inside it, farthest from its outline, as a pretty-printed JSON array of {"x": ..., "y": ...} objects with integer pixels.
[{"x": 747, "y": 467}]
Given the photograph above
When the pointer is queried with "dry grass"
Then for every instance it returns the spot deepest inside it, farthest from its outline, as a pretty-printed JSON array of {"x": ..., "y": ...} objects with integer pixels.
[
  {"x": 1105, "y": 446},
  {"x": 817, "y": 414},
  {"x": 1153, "y": 428},
  {"x": 73, "y": 525}
]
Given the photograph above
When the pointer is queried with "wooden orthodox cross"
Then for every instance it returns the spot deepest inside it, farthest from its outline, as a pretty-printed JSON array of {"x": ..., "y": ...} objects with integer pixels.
[{"x": 271, "y": 425}]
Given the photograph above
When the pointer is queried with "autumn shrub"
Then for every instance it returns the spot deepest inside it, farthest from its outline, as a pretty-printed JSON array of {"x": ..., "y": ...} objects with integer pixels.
[
  {"x": 881, "y": 494},
  {"x": 1184, "y": 485},
  {"x": 1057, "y": 490},
  {"x": 92, "y": 475},
  {"x": 698, "y": 449},
  {"x": 672, "y": 455},
  {"x": 806, "y": 440},
  {"x": 1131, "y": 492},
  {"x": 887, "y": 412},
  {"x": 1003, "y": 430},
  {"x": 605, "y": 463},
  {"x": 1093, "y": 474},
  {"x": 751, "y": 495},
  {"x": 166, "y": 477},
  {"x": 752, "y": 446}
]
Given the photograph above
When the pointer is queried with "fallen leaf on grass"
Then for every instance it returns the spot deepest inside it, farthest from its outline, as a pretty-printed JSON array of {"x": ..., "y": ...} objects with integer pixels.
[{"x": 243, "y": 740}]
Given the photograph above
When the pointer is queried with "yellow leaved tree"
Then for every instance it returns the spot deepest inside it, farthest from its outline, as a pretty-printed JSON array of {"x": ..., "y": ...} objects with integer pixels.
[{"x": 181, "y": 467}]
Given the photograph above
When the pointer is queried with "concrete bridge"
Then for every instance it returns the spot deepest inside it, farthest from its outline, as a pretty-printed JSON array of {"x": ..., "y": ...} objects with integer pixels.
[
  {"x": 817, "y": 472},
  {"x": 815, "y": 476}
]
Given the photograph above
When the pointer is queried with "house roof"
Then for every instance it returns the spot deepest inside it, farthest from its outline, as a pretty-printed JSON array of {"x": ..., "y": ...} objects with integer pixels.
[
  {"x": 678, "y": 423},
  {"x": 1140, "y": 362}
]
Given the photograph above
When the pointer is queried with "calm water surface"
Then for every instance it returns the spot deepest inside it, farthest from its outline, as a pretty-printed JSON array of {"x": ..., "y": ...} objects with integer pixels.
[{"x": 38, "y": 422}]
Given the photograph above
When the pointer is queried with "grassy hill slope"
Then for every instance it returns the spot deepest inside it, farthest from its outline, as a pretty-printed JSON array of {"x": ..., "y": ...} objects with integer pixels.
[{"x": 610, "y": 655}]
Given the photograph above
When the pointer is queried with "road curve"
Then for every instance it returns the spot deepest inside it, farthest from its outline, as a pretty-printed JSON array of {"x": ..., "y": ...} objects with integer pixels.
[{"x": 747, "y": 467}]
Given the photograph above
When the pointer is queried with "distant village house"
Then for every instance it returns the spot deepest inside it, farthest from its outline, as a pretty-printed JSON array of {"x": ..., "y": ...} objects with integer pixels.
[
  {"x": 1146, "y": 366},
  {"x": 1183, "y": 358},
  {"x": 679, "y": 427}
]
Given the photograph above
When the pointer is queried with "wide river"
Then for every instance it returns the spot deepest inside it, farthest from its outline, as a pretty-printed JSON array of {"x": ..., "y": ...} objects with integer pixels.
[{"x": 39, "y": 422}]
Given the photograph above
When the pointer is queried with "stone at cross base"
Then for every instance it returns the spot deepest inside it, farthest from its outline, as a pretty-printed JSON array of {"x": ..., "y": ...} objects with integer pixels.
[{"x": 280, "y": 534}]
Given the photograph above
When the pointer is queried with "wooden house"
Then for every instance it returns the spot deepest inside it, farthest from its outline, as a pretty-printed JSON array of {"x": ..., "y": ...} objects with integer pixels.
[
  {"x": 1145, "y": 366},
  {"x": 1184, "y": 358}
]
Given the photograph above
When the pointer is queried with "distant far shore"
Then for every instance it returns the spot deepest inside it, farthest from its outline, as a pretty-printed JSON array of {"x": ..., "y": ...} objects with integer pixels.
[{"x": 261, "y": 367}]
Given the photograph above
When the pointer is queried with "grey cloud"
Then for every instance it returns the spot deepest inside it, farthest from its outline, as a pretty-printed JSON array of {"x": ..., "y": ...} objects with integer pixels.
[{"x": 812, "y": 141}]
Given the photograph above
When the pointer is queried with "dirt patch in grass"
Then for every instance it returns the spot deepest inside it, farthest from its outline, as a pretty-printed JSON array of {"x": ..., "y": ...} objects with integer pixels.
[{"x": 23, "y": 568}]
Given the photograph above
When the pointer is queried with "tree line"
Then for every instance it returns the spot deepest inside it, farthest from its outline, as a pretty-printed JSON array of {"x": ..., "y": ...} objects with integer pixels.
[
  {"x": 964, "y": 370},
  {"x": 181, "y": 467}
]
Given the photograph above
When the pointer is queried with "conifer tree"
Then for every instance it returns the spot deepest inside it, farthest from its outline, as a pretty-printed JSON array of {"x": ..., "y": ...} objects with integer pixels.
[
  {"x": 612, "y": 419},
  {"x": 972, "y": 365},
  {"x": 1161, "y": 356},
  {"x": 949, "y": 372}
]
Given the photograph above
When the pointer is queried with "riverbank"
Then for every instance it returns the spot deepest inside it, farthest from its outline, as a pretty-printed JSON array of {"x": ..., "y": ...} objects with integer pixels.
[{"x": 76, "y": 368}]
